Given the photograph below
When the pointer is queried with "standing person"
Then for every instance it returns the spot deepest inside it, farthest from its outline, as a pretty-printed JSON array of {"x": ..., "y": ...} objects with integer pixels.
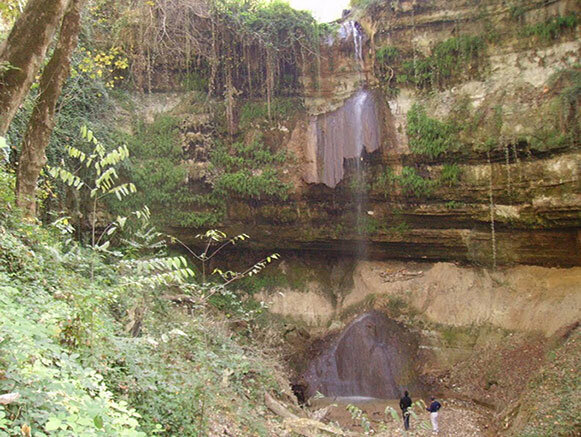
[
  {"x": 405, "y": 404},
  {"x": 433, "y": 409}
]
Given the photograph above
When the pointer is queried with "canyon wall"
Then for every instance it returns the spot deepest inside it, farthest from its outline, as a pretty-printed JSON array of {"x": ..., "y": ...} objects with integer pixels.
[{"x": 435, "y": 131}]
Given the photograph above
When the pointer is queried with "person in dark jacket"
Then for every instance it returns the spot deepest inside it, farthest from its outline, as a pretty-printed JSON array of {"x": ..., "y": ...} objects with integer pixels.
[
  {"x": 405, "y": 404},
  {"x": 433, "y": 409}
]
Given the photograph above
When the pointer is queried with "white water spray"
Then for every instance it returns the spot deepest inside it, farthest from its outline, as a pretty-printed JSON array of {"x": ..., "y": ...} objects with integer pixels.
[{"x": 351, "y": 29}]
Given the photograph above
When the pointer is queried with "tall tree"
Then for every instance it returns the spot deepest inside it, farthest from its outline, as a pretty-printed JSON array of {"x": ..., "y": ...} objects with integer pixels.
[
  {"x": 41, "y": 124},
  {"x": 23, "y": 52}
]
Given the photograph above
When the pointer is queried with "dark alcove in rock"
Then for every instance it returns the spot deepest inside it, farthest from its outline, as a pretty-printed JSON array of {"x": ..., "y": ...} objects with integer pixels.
[{"x": 373, "y": 357}]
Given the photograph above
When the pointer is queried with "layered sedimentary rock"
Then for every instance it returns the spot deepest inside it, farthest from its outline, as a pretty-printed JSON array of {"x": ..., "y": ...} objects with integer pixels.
[{"x": 508, "y": 188}]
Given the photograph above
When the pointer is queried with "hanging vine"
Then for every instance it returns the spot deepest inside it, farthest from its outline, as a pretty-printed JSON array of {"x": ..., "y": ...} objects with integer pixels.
[{"x": 251, "y": 46}]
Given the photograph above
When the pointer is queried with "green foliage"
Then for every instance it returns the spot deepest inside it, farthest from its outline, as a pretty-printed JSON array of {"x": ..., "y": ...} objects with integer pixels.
[
  {"x": 11, "y": 9},
  {"x": 452, "y": 204},
  {"x": 400, "y": 228},
  {"x": 195, "y": 81},
  {"x": 249, "y": 171},
  {"x": 550, "y": 405},
  {"x": 253, "y": 113},
  {"x": 552, "y": 28},
  {"x": 428, "y": 136},
  {"x": 413, "y": 183},
  {"x": 385, "y": 182},
  {"x": 158, "y": 172},
  {"x": 358, "y": 415},
  {"x": 246, "y": 170},
  {"x": 248, "y": 184},
  {"x": 273, "y": 27},
  {"x": 409, "y": 181},
  {"x": 100, "y": 180},
  {"x": 84, "y": 101},
  {"x": 517, "y": 11},
  {"x": 66, "y": 350},
  {"x": 7, "y": 185},
  {"x": 50, "y": 317},
  {"x": 366, "y": 225},
  {"x": 571, "y": 92},
  {"x": 450, "y": 59},
  {"x": 387, "y": 54},
  {"x": 450, "y": 175},
  {"x": 358, "y": 184}
]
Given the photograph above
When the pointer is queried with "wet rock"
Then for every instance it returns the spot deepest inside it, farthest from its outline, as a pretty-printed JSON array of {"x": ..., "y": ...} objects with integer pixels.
[{"x": 373, "y": 357}]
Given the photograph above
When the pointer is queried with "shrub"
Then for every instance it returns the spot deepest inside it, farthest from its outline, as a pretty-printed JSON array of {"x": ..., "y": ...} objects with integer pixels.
[
  {"x": 450, "y": 59},
  {"x": 413, "y": 183},
  {"x": 450, "y": 174},
  {"x": 552, "y": 28},
  {"x": 257, "y": 112},
  {"x": 387, "y": 54},
  {"x": 249, "y": 171},
  {"x": 428, "y": 136}
]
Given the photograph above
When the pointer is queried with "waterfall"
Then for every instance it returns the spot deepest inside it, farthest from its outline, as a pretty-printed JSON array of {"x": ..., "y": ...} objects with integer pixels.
[
  {"x": 352, "y": 29},
  {"x": 343, "y": 134},
  {"x": 359, "y": 191}
]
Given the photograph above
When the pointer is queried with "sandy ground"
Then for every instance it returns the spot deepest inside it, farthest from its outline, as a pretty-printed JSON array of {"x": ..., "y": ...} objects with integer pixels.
[{"x": 456, "y": 418}]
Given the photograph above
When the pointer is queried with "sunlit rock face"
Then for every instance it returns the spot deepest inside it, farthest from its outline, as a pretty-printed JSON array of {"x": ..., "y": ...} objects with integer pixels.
[
  {"x": 342, "y": 134},
  {"x": 374, "y": 357}
]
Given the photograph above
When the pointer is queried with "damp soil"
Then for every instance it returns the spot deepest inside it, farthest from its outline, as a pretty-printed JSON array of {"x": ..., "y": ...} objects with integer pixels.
[{"x": 458, "y": 418}]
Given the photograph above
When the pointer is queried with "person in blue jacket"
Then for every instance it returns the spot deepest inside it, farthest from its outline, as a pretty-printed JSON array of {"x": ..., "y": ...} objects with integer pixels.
[{"x": 433, "y": 409}]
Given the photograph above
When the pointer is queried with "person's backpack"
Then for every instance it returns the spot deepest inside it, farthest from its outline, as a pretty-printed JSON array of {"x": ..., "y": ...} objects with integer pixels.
[{"x": 437, "y": 406}]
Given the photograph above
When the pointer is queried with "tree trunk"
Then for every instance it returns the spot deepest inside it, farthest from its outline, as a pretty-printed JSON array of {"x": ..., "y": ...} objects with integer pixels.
[
  {"x": 24, "y": 51},
  {"x": 37, "y": 136}
]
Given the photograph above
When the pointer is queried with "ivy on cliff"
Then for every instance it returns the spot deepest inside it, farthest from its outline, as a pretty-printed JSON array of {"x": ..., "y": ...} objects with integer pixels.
[
  {"x": 429, "y": 136},
  {"x": 453, "y": 59},
  {"x": 249, "y": 170}
]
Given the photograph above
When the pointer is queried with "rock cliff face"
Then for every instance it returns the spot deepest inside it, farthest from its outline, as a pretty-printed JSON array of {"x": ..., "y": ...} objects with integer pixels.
[
  {"x": 440, "y": 130},
  {"x": 372, "y": 357}
]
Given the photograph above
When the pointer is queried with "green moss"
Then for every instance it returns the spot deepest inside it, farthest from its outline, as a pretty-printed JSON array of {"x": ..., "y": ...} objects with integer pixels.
[
  {"x": 401, "y": 228},
  {"x": 367, "y": 225},
  {"x": 364, "y": 4},
  {"x": 279, "y": 214}
]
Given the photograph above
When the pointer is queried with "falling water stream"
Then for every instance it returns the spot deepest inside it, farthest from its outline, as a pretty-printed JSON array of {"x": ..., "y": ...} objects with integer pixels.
[
  {"x": 351, "y": 29},
  {"x": 371, "y": 357},
  {"x": 359, "y": 191}
]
